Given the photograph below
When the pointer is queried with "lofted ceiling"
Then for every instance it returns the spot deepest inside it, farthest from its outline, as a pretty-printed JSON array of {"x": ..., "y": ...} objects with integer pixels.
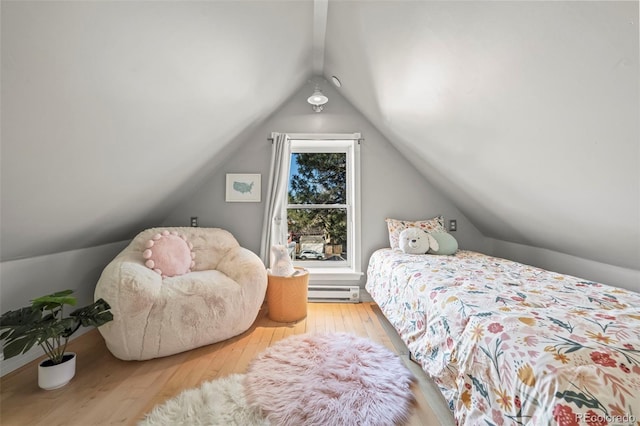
[
  {"x": 525, "y": 114},
  {"x": 111, "y": 109}
]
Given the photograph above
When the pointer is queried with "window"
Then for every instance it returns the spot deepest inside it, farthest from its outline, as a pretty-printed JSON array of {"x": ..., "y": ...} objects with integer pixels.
[{"x": 323, "y": 205}]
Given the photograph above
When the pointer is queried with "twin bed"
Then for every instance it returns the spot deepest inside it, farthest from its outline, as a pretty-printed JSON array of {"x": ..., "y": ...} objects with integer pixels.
[{"x": 511, "y": 344}]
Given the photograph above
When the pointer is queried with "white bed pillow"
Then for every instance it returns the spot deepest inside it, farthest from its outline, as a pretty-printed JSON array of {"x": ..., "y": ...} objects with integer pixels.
[{"x": 396, "y": 226}]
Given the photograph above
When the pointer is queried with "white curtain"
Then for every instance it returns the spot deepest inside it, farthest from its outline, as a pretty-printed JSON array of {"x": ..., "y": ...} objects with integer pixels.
[{"x": 274, "y": 225}]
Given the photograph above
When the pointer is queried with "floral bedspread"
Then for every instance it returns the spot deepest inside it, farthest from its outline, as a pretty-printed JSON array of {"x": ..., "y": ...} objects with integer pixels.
[{"x": 510, "y": 344}]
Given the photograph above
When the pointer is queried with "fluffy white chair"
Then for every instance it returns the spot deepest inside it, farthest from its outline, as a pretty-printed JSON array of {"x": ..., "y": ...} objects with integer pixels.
[{"x": 156, "y": 315}]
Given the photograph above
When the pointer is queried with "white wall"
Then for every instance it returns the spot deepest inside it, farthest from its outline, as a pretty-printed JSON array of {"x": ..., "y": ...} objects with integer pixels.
[
  {"x": 525, "y": 114},
  {"x": 391, "y": 186},
  {"x": 111, "y": 108}
]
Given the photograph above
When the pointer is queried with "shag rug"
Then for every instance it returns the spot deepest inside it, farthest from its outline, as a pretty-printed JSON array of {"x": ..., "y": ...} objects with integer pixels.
[
  {"x": 218, "y": 402},
  {"x": 311, "y": 379},
  {"x": 330, "y": 379}
]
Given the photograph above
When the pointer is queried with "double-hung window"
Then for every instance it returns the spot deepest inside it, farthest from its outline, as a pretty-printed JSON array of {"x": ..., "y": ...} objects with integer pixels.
[{"x": 323, "y": 205}]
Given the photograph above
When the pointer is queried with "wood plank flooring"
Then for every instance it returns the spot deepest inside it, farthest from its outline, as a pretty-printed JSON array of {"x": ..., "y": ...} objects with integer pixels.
[{"x": 108, "y": 391}]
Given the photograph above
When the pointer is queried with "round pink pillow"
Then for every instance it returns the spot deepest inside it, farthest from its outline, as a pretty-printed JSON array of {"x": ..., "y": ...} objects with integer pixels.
[{"x": 169, "y": 254}]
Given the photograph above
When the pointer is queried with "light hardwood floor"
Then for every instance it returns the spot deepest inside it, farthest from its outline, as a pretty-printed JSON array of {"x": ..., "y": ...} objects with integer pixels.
[{"x": 108, "y": 391}]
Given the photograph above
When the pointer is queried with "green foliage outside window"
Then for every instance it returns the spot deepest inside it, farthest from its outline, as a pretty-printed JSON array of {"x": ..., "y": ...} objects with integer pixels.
[{"x": 319, "y": 178}]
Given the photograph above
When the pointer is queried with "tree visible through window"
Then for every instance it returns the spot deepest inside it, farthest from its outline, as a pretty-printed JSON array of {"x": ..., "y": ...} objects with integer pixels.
[{"x": 317, "y": 209}]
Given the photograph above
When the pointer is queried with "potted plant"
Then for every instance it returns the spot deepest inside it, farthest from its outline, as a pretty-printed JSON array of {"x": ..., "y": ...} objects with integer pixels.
[{"x": 43, "y": 323}]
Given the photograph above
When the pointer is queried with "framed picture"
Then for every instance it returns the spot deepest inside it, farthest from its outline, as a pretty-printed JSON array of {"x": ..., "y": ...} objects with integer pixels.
[{"x": 242, "y": 187}]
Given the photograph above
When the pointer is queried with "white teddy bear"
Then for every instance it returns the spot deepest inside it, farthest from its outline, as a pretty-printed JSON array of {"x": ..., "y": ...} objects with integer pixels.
[
  {"x": 417, "y": 241},
  {"x": 281, "y": 263}
]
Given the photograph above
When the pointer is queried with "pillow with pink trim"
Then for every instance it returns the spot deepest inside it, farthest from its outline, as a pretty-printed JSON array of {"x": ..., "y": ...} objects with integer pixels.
[
  {"x": 395, "y": 227},
  {"x": 169, "y": 254}
]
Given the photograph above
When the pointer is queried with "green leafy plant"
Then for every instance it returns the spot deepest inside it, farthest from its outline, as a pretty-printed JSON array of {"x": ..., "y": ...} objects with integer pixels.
[{"x": 43, "y": 323}]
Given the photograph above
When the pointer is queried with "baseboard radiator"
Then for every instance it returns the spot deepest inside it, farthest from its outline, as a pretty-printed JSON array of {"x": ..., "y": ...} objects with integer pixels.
[{"x": 334, "y": 293}]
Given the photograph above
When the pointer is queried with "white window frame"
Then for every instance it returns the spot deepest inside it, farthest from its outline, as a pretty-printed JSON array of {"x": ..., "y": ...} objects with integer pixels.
[{"x": 349, "y": 143}]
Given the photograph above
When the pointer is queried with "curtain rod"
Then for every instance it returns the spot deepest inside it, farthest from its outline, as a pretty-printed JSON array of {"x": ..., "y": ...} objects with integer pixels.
[{"x": 360, "y": 140}]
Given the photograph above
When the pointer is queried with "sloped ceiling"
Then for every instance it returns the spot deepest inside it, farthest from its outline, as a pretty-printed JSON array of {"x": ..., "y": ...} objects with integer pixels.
[
  {"x": 109, "y": 108},
  {"x": 524, "y": 113}
]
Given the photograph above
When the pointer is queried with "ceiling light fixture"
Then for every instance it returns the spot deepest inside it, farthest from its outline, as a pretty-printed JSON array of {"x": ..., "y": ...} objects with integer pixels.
[
  {"x": 336, "y": 81},
  {"x": 317, "y": 100}
]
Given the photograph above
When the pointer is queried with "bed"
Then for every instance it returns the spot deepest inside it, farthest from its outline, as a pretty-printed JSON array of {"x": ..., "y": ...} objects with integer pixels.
[{"x": 511, "y": 344}]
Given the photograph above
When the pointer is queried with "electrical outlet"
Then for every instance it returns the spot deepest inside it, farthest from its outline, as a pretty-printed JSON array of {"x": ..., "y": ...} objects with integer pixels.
[
  {"x": 453, "y": 225},
  {"x": 194, "y": 221}
]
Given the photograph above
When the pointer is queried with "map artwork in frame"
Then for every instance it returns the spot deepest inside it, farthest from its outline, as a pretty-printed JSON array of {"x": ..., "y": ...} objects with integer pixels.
[{"x": 243, "y": 187}]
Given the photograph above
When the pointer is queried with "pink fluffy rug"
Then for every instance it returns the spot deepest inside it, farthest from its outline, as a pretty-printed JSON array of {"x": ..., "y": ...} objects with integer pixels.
[{"x": 330, "y": 379}]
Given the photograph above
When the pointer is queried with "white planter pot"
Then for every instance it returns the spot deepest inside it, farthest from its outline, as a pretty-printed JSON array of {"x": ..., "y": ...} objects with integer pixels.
[{"x": 57, "y": 375}]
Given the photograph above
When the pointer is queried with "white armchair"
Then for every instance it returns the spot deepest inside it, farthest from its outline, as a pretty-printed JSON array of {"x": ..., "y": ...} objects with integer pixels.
[{"x": 156, "y": 316}]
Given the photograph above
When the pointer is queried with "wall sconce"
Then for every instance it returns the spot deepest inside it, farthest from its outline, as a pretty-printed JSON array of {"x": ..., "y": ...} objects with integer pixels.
[{"x": 317, "y": 100}]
